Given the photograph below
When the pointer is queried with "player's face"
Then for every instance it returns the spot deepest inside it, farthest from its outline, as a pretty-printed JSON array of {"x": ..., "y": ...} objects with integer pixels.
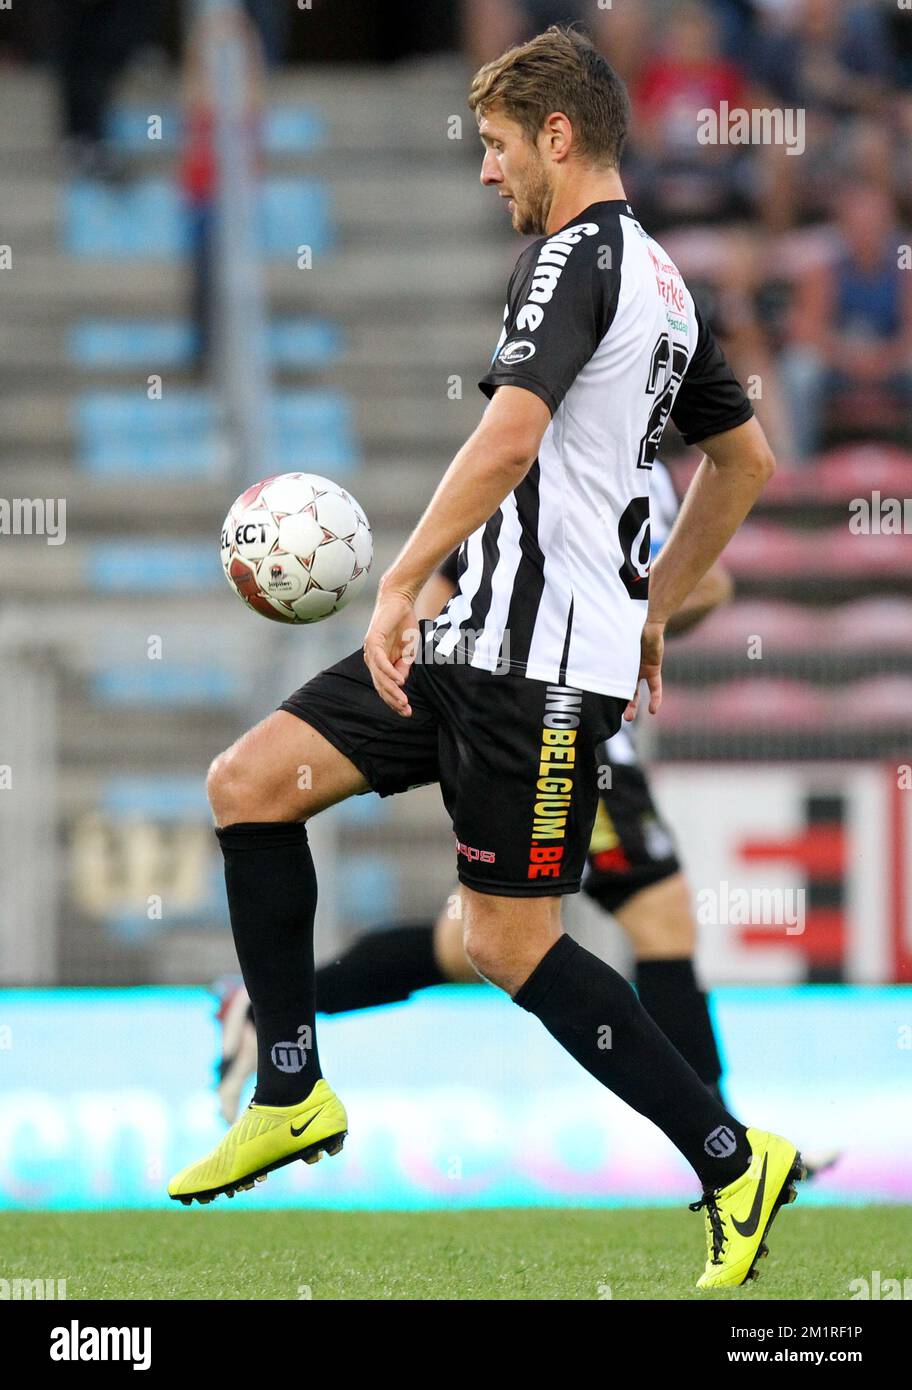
[{"x": 513, "y": 165}]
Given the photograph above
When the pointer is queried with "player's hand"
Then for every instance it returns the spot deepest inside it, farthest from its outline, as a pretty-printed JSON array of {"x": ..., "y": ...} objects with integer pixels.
[
  {"x": 390, "y": 647},
  {"x": 652, "y": 647}
]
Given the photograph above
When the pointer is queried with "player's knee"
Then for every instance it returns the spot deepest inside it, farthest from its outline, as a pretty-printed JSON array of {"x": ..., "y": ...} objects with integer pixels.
[
  {"x": 499, "y": 956},
  {"x": 232, "y": 790},
  {"x": 484, "y": 948}
]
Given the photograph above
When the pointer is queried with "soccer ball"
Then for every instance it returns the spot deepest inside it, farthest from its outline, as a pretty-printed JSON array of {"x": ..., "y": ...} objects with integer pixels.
[{"x": 296, "y": 547}]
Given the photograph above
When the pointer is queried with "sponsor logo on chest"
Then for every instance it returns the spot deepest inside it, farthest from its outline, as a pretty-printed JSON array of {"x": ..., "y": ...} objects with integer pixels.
[{"x": 552, "y": 258}]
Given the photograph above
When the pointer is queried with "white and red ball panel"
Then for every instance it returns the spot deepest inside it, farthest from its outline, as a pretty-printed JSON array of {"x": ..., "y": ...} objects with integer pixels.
[
  {"x": 296, "y": 547},
  {"x": 354, "y": 586},
  {"x": 333, "y": 564},
  {"x": 315, "y": 604},
  {"x": 363, "y": 546},
  {"x": 337, "y": 515},
  {"x": 299, "y": 533},
  {"x": 288, "y": 492}
]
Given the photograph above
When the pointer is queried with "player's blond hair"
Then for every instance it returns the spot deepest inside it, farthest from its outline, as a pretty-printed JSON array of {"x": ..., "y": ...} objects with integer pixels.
[{"x": 559, "y": 70}]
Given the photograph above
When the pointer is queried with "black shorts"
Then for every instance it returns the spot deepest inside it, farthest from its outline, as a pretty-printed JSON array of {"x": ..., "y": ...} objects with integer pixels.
[
  {"x": 631, "y": 846},
  {"x": 515, "y": 759}
]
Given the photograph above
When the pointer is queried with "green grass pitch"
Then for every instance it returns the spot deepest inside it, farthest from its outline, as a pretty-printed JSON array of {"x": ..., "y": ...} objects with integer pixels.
[{"x": 536, "y": 1254}]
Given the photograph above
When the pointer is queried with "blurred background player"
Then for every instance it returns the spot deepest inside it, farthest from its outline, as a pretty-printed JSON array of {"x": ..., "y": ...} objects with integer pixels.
[{"x": 200, "y": 162}]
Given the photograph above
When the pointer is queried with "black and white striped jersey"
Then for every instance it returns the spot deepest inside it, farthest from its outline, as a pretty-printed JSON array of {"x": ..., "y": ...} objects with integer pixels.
[{"x": 600, "y": 326}]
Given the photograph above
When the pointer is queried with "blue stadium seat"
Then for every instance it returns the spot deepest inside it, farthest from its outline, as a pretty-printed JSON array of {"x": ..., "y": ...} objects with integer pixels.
[
  {"x": 296, "y": 212},
  {"x": 286, "y": 130},
  {"x": 368, "y": 890},
  {"x": 165, "y": 683},
  {"x": 165, "y": 796},
  {"x": 123, "y": 433},
  {"x": 147, "y": 220},
  {"x": 105, "y": 344},
  {"x": 361, "y": 810},
  {"x": 137, "y": 221},
  {"x": 312, "y": 344},
  {"x": 143, "y": 566}
]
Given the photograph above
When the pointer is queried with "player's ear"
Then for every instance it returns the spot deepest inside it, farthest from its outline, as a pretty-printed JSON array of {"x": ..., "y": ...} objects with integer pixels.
[{"x": 558, "y": 135}]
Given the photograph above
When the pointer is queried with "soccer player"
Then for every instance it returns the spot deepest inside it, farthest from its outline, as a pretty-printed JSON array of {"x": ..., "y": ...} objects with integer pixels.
[
  {"x": 633, "y": 872},
  {"x": 505, "y": 697}
]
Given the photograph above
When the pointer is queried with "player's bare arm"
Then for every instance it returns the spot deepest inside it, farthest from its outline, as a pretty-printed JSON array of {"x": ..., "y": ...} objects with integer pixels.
[
  {"x": 714, "y": 589},
  {"x": 492, "y": 462}
]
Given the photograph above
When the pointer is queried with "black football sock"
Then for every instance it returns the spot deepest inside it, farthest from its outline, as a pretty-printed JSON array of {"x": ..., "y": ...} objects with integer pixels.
[
  {"x": 670, "y": 994},
  {"x": 272, "y": 899},
  {"x": 381, "y": 967},
  {"x": 594, "y": 1013}
]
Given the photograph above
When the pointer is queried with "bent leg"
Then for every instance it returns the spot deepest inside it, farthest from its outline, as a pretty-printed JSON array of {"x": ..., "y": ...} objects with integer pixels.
[{"x": 332, "y": 739}]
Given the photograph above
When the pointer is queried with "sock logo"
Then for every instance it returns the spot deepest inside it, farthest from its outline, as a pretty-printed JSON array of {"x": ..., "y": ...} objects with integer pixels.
[
  {"x": 721, "y": 1143},
  {"x": 291, "y": 1057},
  {"x": 288, "y": 1057}
]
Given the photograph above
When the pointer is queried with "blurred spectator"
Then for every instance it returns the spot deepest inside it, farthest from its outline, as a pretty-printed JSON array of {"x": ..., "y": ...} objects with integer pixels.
[
  {"x": 837, "y": 65},
  {"x": 26, "y": 32},
  {"x": 270, "y": 18},
  {"x": 491, "y": 26},
  {"x": 95, "y": 39},
  {"x": 624, "y": 34},
  {"x": 734, "y": 276},
  {"x": 837, "y": 59},
  {"x": 737, "y": 23},
  {"x": 199, "y": 161},
  {"x": 676, "y": 178},
  {"x": 848, "y": 362},
  {"x": 897, "y": 19}
]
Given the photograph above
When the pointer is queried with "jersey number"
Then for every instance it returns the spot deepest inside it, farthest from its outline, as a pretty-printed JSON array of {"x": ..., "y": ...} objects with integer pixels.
[
  {"x": 634, "y": 540},
  {"x": 666, "y": 370}
]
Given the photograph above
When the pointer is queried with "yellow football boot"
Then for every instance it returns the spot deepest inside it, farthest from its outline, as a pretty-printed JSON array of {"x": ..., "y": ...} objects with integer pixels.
[
  {"x": 265, "y": 1137},
  {"x": 739, "y": 1216}
]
